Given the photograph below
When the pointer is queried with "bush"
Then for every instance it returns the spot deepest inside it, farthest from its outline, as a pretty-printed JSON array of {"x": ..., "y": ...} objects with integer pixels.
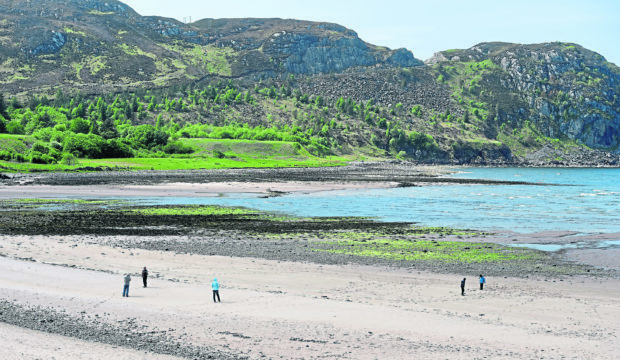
[
  {"x": 80, "y": 126},
  {"x": 6, "y": 155},
  {"x": 422, "y": 141},
  {"x": 146, "y": 136},
  {"x": 39, "y": 158},
  {"x": 68, "y": 159},
  {"x": 83, "y": 145},
  {"x": 15, "y": 127},
  {"x": 41, "y": 148},
  {"x": 44, "y": 134},
  {"x": 115, "y": 148},
  {"x": 55, "y": 145},
  {"x": 178, "y": 148},
  {"x": 55, "y": 154},
  {"x": 19, "y": 157}
]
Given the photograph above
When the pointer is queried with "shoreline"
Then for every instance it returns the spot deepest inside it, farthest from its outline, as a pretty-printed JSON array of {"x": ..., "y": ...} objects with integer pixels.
[
  {"x": 63, "y": 289},
  {"x": 588, "y": 254},
  {"x": 289, "y": 309}
]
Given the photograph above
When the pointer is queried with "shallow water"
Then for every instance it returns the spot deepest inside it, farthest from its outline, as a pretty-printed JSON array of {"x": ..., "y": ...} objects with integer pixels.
[
  {"x": 585, "y": 201},
  {"x": 607, "y": 244}
]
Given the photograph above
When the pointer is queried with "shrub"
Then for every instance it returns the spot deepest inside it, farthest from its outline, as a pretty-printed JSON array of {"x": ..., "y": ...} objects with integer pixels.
[
  {"x": 55, "y": 154},
  {"x": 147, "y": 136},
  {"x": 178, "y": 148},
  {"x": 15, "y": 127},
  {"x": 80, "y": 126},
  {"x": 39, "y": 158},
  {"x": 19, "y": 157},
  {"x": 422, "y": 141},
  {"x": 6, "y": 155},
  {"x": 83, "y": 145},
  {"x": 55, "y": 145},
  {"x": 41, "y": 148},
  {"x": 44, "y": 134},
  {"x": 68, "y": 159},
  {"x": 115, "y": 148}
]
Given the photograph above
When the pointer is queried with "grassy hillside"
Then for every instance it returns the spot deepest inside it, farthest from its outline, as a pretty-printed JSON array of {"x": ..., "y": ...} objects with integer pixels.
[
  {"x": 119, "y": 85},
  {"x": 228, "y": 124}
]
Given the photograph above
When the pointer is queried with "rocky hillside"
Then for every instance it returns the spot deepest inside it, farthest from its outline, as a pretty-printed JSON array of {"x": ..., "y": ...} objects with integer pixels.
[
  {"x": 564, "y": 90},
  {"x": 492, "y": 103},
  {"x": 104, "y": 45}
]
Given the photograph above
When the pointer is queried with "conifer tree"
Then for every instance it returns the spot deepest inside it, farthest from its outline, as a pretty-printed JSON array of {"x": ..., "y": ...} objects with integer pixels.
[{"x": 3, "y": 107}]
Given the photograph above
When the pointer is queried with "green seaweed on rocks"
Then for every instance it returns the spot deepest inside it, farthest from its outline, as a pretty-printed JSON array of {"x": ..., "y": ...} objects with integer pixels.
[
  {"x": 194, "y": 210},
  {"x": 427, "y": 250}
]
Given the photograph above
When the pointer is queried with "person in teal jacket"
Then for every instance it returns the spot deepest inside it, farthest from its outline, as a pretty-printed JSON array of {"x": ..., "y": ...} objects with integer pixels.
[
  {"x": 482, "y": 281},
  {"x": 216, "y": 290}
]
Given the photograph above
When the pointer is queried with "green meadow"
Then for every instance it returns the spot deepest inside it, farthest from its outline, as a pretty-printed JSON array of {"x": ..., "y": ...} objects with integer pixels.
[{"x": 208, "y": 154}]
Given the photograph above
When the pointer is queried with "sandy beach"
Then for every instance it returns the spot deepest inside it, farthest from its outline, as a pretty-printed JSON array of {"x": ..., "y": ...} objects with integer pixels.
[
  {"x": 293, "y": 310},
  {"x": 60, "y": 297},
  {"x": 178, "y": 189}
]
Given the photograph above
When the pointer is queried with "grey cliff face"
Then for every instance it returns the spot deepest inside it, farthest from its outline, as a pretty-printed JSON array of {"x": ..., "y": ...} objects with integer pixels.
[
  {"x": 565, "y": 90},
  {"x": 308, "y": 53},
  {"x": 573, "y": 92}
]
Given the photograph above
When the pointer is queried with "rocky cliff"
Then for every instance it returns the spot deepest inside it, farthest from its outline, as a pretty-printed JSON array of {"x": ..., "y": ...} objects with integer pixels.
[{"x": 566, "y": 91}]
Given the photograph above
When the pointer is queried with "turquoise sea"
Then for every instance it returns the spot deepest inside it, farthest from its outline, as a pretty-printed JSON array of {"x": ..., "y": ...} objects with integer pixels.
[{"x": 581, "y": 200}]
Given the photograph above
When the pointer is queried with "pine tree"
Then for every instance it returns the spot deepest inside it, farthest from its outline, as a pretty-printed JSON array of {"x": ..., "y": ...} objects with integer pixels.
[
  {"x": 3, "y": 111},
  {"x": 2, "y": 125}
]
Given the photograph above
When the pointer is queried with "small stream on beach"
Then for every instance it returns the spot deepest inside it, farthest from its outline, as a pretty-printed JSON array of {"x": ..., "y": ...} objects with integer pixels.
[{"x": 581, "y": 201}]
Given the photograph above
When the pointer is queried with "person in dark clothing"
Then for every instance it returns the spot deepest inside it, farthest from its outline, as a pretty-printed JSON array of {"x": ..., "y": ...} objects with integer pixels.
[
  {"x": 463, "y": 286},
  {"x": 216, "y": 290},
  {"x": 482, "y": 281},
  {"x": 145, "y": 275}
]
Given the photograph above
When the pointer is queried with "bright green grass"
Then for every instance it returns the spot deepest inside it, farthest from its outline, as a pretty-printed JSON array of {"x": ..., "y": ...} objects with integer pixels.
[
  {"x": 194, "y": 210},
  {"x": 236, "y": 154},
  {"x": 57, "y": 204},
  {"x": 425, "y": 250},
  {"x": 191, "y": 163},
  {"x": 16, "y": 143},
  {"x": 242, "y": 161},
  {"x": 413, "y": 230}
]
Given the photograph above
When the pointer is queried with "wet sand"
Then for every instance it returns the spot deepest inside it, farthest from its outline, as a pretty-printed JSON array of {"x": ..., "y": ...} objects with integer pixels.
[
  {"x": 178, "y": 189},
  {"x": 279, "y": 309}
]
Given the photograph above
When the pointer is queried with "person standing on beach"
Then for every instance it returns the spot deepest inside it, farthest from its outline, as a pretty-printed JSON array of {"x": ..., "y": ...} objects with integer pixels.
[
  {"x": 463, "y": 286},
  {"x": 127, "y": 280},
  {"x": 145, "y": 275},
  {"x": 482, "y": 281},
  {"x": 216, "y": 290}
]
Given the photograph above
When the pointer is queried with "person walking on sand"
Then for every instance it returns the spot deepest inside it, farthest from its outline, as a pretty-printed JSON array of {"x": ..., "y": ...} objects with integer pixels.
[
  {"x": 145, "y": 275},
  {"x": 216, "y": 290},
  {"x": 127, "y": 280},
  {"x": 482, "y": 281},
  {"x": 463, "y": 286}
]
